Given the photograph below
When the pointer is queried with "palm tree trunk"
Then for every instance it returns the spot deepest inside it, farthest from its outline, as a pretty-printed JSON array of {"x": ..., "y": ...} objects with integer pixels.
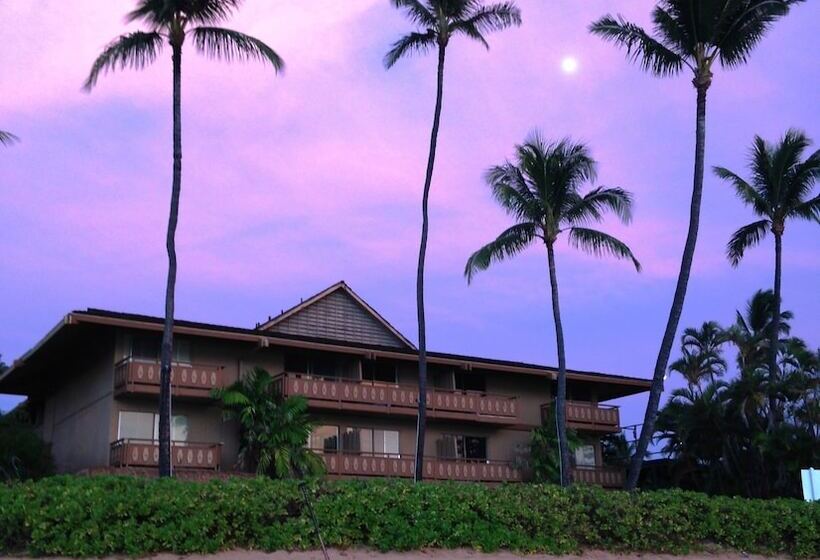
[
  {"x": 648, "y": 427},
  {"x": 431, "y": 158},
  {"x": 561, "y": 394},
  {"x": 774, "y": 332},
  {"x": 170, "y": 242}
]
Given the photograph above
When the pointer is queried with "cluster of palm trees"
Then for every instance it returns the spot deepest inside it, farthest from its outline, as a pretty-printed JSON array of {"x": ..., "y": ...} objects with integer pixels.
[
  {"x": 749, "y": 435},
  {"x": 541, "y": 188}
]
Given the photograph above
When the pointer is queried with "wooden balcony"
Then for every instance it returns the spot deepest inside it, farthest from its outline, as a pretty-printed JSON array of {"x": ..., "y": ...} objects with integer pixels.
[
  {"x": 401, "y": 466},
  {"x": 184, "y": 455},
  {"x": 382, "y": 398},
  {"x": 141, "y": 377},
  {"x": 608, "y": 477},
  {"x": 590, "y": 417}
]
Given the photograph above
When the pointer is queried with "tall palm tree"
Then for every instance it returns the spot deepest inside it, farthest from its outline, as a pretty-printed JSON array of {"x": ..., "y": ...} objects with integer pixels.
[
  {"x": 701, "y": 354},
  {"x": 7, "y": 138},
  {"x": 438, "y": 21},
  {"x": 779, "y": 190},
  {"x": 541, "y": 192},
  {"x": 174, "y": 21},
  {"x": 689, "y": 35}
]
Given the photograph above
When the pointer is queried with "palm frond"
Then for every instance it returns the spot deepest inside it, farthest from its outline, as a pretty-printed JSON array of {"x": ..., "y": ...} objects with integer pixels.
[
  {"x": 591, "y": 206},
  {"x": 802, "y": 178},
  {"x": 809, "y": 210},
  {"x": 744, "y": 238},
  {"x": 411, "y": 44},
  {"x": 161, "y": 13},
  {"x": 743, "y": 26},
  {"x": 510, "y": 189},
  {"x": 744, "y": 190},
  {"x": 228, "y": 45},
  {"x": 7, "y": 138},
  {"x": 416, "y": 12},
  {"x": 135, "y": 50},
  {"x": 486, "y": 19},
  {"x": 599, "y": 243},
  {"x": 511, "y": 242},
  {"x": 650, "y": 54}
]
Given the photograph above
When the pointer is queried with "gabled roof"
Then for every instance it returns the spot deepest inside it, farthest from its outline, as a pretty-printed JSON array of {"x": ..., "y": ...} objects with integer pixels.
[{"x": 337, "y": 313}]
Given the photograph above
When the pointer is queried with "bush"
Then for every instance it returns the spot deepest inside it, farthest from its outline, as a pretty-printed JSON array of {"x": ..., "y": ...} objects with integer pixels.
[
  {"x": 23, "y": 454},
  {"x": 94, "y": 516}
]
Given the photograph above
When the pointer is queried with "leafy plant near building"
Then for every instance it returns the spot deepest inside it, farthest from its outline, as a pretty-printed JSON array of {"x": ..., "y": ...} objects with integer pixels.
[
  {"x": 274, "y": 429},
  {"x": 544, "y": 460},
  {"x": 96, "y": 516},
  {"x": 23, "y": 453}
]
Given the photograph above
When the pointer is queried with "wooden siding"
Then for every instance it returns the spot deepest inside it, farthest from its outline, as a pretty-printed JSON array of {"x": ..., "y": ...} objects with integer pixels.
[{"x": 337, "y": 316}]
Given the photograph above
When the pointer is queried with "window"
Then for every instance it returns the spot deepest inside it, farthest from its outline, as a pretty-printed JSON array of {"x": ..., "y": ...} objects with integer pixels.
[
  {"x": 296, "y": 363},
  {"x": 585, "y": 456},
  {"x": 379, "y": 372},
  {"x": 468, "y": 381},
  {"x": 322, "y": 365},
  {"x": 356, "y": 440},
  {"x": 462, "y": 447},
  {"x": 325, "y": 438},
  {"x": 146, "y": 347},
  {"x": 145, "y": 425}
]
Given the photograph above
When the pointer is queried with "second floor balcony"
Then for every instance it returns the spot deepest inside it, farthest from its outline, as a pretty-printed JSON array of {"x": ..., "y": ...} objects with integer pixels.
[
  {"x": 141, "y": 377},
  {"x": 587, "y": 416},
  {"x": 608, "y": 477},
  {"x": 384, "y": 398}
]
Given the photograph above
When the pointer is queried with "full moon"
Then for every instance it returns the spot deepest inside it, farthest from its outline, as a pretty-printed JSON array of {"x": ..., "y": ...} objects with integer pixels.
[{"x": 569, "y": 65}]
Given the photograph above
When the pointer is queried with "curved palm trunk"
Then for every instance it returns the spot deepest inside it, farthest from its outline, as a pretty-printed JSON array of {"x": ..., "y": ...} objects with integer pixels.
[
  {"x": 431, "y": 158},
  {"x": 170, "y": 242},
  {"x": 561, "y": 395},
  {"x": 648, "y": 427},
  {"x": 774, "y": 333}
]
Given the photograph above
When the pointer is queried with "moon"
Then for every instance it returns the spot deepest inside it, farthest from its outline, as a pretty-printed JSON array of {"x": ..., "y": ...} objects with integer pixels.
[{"x": 569, "y": 65}]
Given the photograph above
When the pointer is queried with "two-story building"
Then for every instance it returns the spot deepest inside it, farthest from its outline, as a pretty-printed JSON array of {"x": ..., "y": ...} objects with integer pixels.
[{"x": 92, "y": 385}]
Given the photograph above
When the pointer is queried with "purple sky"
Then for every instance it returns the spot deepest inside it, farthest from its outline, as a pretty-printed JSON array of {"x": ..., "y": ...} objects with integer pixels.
[{"x": 292, "y": 183}]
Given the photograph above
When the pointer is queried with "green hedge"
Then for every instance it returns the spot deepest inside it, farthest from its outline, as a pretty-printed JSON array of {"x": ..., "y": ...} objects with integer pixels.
[{"x": 120, "y": 515}]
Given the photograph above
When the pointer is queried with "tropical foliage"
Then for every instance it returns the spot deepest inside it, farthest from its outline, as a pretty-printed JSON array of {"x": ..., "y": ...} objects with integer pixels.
[
  {"x": 688, "y": 36},
  {"x": 779, "y": 191},
  {"x": 23, "y": 453},
  {"x": 541, "y": 192},
  {"x": 7, "y": 138},
  {"x": 718, "y": 432},
  {"x": 274, "y": 430},
  {"x": 544, "y": 460},
  {"x": 437, "y": 22},
  {"x": 107, "y": 516},
  {"x": 173, "y": 21}
]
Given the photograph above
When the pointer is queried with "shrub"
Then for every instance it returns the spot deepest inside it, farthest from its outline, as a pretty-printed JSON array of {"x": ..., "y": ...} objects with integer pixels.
[
  {"x": 23, "y": 454},
  {"x": 93, "y": 516}
]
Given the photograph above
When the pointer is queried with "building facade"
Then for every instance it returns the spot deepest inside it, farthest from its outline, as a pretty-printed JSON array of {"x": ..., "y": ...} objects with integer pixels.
[{"x": 92, "y": 385}]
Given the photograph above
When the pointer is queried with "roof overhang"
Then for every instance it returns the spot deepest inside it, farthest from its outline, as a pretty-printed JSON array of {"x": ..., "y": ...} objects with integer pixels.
[{"x": 78, "y": 328}]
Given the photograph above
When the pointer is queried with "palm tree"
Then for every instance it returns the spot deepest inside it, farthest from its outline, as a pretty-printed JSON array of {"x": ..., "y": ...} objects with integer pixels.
[
  {"x": 438, "y": 22},
  {"x": 7, "y": 138},
  {"x": 174, "y": 21},
  {"x": 750, "y": 331},
  {"x": 540, "y": 191},
  {"x": 779, "y": 191},
  {"x": 689, "y": 35},
  {"x": 274, "y": 429},
  {"x": 701, "y": 354}
]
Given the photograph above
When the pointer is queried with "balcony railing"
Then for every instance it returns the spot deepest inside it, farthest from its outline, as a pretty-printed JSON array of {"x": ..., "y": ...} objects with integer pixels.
[
  {"x": 402, "y": 466},
  {"x": 608, "y": 477},
  {"x": 366, "y": 396},
  {"x": 587, "y": 416},
  {"x": 135, "y": 376},
  {"x": 184, "y": 455}
]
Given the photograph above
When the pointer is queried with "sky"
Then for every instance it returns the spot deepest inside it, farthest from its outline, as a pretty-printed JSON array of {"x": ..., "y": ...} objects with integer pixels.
[{"x": 296, "y": 181}]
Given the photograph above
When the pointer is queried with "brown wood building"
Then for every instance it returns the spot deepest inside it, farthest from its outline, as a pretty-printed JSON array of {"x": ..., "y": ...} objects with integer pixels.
[{"x": 92, "y": 384}]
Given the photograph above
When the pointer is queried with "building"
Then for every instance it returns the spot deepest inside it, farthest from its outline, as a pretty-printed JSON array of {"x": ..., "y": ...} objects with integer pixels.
[{"x": 93, "y": 381}]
